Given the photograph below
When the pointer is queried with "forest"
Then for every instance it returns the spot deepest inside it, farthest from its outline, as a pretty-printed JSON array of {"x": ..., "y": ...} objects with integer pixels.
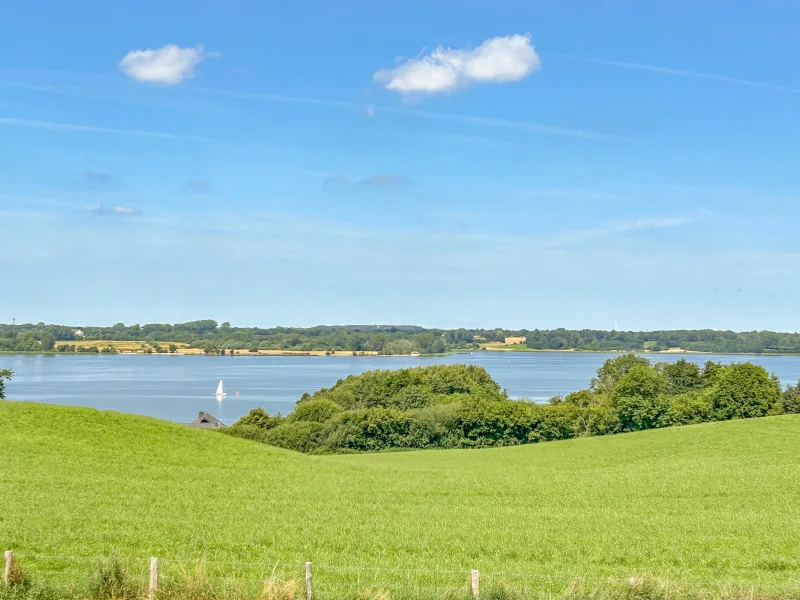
[{"x": 213, "y": 337}]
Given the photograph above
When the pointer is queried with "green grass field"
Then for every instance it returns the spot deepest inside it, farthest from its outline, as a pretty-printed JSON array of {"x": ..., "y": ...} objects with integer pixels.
[{"x": 701, "y": 506}]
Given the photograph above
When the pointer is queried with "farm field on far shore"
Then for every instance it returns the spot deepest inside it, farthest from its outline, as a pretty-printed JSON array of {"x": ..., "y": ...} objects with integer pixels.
[
  {"x": 702, "y": 505},
  {"x": 141, "y": 346},
  {"x": 124, "y": 346}
]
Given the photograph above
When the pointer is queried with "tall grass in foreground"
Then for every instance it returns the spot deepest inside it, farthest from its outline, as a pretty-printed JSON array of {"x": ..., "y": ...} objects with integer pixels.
[{"x": 114, "y": 579}]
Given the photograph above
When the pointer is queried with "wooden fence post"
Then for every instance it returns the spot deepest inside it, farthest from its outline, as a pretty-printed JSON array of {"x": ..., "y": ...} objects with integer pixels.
[
  {"x": 476, "y": 576},
  {"x": 308, "y": 581},
  {"x": 9, "y": 566},
  {"x": 153, "y": 586}
]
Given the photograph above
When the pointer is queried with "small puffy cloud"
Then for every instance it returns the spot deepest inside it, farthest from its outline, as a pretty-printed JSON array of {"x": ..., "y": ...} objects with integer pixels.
[
  {"x": 169, "y": 64},
  {"x": 199, "y": 183},
  {"x": 370, "y": 110},
  {"x": 120, "y": 211},
  {"x": 125, "y": 211},
  {"x": 497, "y": 60},
  {"x": 384, "y": 180}
]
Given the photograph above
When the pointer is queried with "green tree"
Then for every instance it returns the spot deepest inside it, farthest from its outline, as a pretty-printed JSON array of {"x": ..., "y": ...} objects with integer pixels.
[
  {"x": 711, "y": 370},
  {"x": 791, "y": 399},
  {"x": 399, "y": 347},
  {"x": 637, "y": 413},
  {"x": 639, "y": 399},
  {"x": 258, "y": 417},
  {"x": 613, "y": 369},
  {"x": 47, "y": 339},
  {"x": 682, "y": 376},
  {"x": 641, "y": 380},
  {"x": 425, "y": 342},
  {"x": 318, "y": 410},
  {"x": 4, "y": 374},
  {"x": 743, "y": 391}
]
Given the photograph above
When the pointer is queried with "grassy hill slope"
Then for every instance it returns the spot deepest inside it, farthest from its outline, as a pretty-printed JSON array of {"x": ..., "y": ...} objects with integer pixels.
[{"x": 717, "y": 502}]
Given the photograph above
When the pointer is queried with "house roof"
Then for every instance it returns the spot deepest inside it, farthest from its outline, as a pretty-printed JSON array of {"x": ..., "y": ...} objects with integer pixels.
[{"x": 205, "y": 417}]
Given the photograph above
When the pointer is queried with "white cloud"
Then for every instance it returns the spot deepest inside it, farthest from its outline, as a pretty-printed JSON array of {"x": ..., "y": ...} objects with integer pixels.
[
  {"x": 169, "y": 64},
  {"x": 125, "y": 211},
  {"x": 497, "y": 60},
  {"x": 645, "y": 223}
]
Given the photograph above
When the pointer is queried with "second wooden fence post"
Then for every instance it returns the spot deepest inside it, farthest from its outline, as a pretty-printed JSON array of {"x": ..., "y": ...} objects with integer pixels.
[
  {"x": 152, "y": 588},
  {"x": 476, "y": 577},
  {"x": 8, "y": 566},
  {"x": 308, "y": 581}
]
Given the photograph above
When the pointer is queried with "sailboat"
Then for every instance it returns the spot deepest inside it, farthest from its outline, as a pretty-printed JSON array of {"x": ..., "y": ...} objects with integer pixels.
[{"x": 220, "y": 392}]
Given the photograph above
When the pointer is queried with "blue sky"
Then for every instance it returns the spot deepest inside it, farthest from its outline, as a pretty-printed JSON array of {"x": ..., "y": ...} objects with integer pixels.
[{"x": 478, "y": 164}]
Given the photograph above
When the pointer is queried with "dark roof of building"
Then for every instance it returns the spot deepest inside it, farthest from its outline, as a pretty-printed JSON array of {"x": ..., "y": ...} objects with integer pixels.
[{"x": 205, "y": 419}]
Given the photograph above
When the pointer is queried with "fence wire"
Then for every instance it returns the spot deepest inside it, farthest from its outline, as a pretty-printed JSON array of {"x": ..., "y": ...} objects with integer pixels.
[{"x": 331, "y": 582}]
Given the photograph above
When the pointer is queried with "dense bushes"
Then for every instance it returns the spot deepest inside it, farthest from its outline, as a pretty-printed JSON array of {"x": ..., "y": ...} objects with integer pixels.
[
  {"x": 791, "y": 399},
  {"x": 460, "y": 406}
]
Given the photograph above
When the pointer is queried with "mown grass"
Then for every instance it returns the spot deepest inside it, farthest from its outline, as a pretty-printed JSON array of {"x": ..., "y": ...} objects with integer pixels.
[{"x": 710, "y": 508}]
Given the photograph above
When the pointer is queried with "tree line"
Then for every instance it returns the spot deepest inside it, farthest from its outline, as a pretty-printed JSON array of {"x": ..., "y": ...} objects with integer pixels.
[
  {"x": 461, "y": 406},
  {"x": 213, "y": 337},
  {"x": 702, "y": 340}
]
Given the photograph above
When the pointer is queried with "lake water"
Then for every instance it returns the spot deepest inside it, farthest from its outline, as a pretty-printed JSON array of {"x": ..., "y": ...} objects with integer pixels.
[{"x": 175, "y": 387}]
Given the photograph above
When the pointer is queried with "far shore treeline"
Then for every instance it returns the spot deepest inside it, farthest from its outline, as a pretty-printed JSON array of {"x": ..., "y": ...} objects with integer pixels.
[
  {"x": 460, "y": 406},
  {"x": 210, "y": 337}
]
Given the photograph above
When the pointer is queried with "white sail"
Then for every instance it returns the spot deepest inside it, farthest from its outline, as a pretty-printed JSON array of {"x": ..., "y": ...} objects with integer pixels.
[{"x": 220, "y": 391}]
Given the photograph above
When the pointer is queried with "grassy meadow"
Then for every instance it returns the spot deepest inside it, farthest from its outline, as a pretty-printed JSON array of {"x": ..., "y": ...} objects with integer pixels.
[{"x": 706, "y": 507}]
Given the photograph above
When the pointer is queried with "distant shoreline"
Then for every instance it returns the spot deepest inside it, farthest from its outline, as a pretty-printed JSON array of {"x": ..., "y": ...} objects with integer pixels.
[{"x": 346, "y": 354}]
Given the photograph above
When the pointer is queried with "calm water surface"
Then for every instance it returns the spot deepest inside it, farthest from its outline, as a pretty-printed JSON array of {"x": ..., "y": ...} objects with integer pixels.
[{"x": 177, "y": 387}]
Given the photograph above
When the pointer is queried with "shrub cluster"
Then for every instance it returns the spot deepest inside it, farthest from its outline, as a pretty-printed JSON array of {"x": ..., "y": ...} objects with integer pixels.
[{"x": 460, "y": 406}]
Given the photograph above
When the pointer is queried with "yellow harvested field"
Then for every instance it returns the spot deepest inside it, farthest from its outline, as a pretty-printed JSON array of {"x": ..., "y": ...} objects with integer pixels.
[
  {"x": 290, "y": 352},
  {"x": 120, "y": 346},
  {"x": 140, "y": 347}
]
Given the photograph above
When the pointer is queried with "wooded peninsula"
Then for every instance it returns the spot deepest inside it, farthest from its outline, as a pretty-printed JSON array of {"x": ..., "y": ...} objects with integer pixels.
[{"x": 210, "y": 337}]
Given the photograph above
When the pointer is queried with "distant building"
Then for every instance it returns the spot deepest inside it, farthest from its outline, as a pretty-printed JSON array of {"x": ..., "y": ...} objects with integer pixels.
[
  {"x": 206, "y": 421},
  {"x": 78, "y": 333}
]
